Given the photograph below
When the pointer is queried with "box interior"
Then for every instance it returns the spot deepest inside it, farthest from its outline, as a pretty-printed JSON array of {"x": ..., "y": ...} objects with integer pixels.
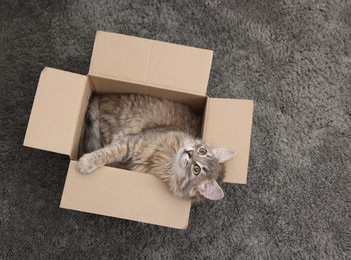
[
  {"x": 122, "y": 193},
  {"x": 111, "y": 86},
  {"x": 106, "y": 85},
  {"x": 224, "y": 121}
]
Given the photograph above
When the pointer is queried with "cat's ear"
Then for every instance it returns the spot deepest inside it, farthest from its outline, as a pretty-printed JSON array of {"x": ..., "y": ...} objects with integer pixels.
[
  {"x": 223, "y": 154},
  {"x": 211, "y": 190}
]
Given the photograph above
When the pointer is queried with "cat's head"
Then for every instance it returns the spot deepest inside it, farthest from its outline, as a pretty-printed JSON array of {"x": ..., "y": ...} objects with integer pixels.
[{"x": 198, "y": 168}]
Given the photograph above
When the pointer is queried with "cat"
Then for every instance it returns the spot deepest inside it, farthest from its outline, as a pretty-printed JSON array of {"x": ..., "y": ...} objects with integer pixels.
[{"x": 156, "y": 136}]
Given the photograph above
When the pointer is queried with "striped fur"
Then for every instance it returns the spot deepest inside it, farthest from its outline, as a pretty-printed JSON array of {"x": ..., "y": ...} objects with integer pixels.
[{"x": 150, "y": 135}]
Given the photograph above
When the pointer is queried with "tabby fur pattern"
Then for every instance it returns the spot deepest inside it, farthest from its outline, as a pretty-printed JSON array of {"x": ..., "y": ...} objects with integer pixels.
[{"x": 151, "y": 135}]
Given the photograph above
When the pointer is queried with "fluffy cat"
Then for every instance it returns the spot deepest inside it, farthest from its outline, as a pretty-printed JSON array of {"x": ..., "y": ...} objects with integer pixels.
[{"x": 155, "y": 136}]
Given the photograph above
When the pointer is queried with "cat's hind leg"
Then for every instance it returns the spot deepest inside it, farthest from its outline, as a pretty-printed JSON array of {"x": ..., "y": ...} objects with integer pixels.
[{"x": 111, "y": 153}]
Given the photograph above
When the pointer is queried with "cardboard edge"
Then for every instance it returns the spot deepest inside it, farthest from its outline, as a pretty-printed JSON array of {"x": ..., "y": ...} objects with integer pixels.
[
  {"x": 252, "y": 110},
  {"x": 161, "y": 87},
  {"x": 84, "y": 102},
  {"x": 194, "y": 101},
  {"x": 204, "y": 117},
  {"x": 26, "y": 142},
  {"x": 99, "y": 32}
]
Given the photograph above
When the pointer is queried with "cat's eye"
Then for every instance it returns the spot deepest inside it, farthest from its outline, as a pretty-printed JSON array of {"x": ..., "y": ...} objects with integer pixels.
[
  {"x": 202, "y": 151},
  {"x": 196, "y": 169}
]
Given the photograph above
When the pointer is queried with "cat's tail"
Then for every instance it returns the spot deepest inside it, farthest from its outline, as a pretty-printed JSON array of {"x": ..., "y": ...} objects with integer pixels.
[{"x": 90, "y": 137}]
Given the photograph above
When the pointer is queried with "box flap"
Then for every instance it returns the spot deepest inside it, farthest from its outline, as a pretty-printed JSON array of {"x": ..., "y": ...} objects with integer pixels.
[
  {"x": 124, "y": 194},
  {"x": 151, "y": 63},
  {"x": 58, "y": 111},
  {"x": 228, "y": 125}
]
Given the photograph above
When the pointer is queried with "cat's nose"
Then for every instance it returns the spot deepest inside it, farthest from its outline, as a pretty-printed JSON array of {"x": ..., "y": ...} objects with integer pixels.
[{"x": 190, "y": 153}]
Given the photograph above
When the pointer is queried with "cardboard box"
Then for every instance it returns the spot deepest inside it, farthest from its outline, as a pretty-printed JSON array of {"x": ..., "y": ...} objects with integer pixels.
[{"x": 125, "y": 64}]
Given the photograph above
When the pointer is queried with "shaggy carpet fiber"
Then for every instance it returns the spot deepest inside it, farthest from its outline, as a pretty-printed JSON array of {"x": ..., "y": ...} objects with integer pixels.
[{"x": 292, "y": 57}]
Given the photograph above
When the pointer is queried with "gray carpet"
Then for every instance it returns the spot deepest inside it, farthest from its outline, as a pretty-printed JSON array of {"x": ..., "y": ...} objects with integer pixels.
[{"x": 292, "y": 57}]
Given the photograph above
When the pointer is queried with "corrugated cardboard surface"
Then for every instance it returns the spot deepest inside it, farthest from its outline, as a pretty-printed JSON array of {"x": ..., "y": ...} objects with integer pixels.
[
  {"x": 228, "y": 124},
  {"x": 124, "y": 194},
  {"x": 150, "y": 62},
  {"x": 56, "y": 118}
]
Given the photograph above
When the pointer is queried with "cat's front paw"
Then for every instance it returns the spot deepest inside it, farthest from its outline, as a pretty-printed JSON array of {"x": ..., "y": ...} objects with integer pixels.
[{"x": 86, "y": 164}]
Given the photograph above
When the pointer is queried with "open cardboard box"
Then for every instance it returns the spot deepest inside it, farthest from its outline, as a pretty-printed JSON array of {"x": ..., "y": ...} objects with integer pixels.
[{"x": 125, "y": 64}]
